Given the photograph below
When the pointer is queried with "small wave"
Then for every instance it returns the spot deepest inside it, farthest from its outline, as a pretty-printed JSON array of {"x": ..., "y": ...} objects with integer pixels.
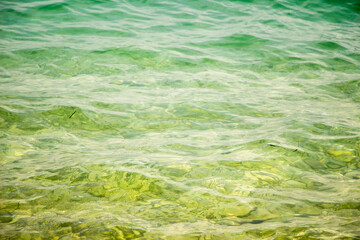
[{"x": 234, "y": 42}]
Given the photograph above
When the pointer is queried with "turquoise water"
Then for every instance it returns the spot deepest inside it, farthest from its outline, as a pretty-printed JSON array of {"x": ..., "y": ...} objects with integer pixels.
[{"x": 180, "y": 119}]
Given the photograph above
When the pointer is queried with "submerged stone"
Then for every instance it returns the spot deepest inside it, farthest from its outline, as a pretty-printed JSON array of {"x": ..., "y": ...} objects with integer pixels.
[{"x": 6, "y": 217}]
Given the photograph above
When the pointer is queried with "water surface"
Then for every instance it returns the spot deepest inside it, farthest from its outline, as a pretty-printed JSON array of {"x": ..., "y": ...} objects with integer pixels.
[{"x": 180, "y": 119}]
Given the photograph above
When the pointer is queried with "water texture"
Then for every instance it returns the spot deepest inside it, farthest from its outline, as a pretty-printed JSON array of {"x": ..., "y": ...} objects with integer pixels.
[{"x": 180, "y": 119}]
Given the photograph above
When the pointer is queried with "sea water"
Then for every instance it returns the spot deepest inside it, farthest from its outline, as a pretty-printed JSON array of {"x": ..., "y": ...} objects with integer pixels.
[{"x": 184, "y": 119}]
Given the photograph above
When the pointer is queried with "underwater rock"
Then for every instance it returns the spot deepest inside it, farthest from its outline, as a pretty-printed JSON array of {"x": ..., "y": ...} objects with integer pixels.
[{"x": 6, "y": 217}]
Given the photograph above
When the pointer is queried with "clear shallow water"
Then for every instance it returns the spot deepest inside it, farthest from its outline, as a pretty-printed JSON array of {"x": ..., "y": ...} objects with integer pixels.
[{"x": 189, "y": 119}]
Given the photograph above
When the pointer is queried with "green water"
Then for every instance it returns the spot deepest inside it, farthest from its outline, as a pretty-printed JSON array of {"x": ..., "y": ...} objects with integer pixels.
[{"x": 180, "y": 119}]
